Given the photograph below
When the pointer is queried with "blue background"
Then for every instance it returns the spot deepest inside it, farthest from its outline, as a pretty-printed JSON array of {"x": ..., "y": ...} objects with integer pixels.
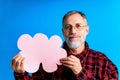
[{"x": 18, "y": 17}]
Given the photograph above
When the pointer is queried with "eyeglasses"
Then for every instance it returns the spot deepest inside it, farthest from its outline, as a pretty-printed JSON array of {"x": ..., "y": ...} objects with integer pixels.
[{"x": 76, "y": 27}]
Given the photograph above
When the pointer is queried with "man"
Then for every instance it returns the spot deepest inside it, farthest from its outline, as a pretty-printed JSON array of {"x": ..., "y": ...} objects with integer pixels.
[{"x": 82, "y": 63}]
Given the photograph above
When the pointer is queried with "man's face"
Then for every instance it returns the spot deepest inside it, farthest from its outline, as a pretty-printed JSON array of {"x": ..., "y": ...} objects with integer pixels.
[{"x": 75, "y": 30}]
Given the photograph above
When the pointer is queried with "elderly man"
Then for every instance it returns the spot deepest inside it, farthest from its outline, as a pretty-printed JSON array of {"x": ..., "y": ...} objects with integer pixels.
[{"x": 81, "y": 63}]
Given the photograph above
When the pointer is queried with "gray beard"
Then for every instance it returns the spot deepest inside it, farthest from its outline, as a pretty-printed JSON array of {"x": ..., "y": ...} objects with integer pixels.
[{"x": 74, "y": 44}]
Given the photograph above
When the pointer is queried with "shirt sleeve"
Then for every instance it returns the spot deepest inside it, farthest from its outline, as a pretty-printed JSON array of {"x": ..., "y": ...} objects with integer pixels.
[
  {"x": 40, "y": 74},
  {"x": 112, "y": 71},
  {"x": 104, "y": 69},
  {"x": 83, "y": 74},
  {"x": 22, "y": 76}
]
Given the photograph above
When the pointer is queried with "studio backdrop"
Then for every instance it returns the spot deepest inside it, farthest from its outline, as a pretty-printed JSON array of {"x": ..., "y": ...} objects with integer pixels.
[{"x": 19, "y": 17}]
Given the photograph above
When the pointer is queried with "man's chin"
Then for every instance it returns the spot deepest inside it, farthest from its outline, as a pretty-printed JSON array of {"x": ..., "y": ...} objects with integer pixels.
[{"x": 74, "y": 44}]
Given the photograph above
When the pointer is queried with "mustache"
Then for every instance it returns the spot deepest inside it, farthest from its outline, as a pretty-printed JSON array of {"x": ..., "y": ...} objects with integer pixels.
[{"x": 73, "y": 35}]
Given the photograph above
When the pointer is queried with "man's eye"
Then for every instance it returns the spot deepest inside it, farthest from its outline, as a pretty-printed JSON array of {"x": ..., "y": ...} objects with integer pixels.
[
  {"x": 67, "y": 27},
  {"x": 78, "y": 25}
]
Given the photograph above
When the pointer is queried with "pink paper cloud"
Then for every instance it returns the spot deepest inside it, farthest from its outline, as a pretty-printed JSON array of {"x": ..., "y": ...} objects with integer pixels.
[{"x": 40, "y": 49}]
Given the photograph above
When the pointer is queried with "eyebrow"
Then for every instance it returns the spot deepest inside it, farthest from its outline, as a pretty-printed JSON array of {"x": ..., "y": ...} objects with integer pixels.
[{"x": 76, "y": 23}]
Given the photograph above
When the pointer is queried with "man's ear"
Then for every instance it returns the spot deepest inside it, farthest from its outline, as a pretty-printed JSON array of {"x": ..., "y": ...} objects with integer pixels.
[
  {"x": 87, "y": 30},
  {"x": 62, "y": 31}
]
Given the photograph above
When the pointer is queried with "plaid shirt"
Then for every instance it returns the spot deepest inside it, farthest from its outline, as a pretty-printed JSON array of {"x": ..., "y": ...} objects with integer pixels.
[{"x": 95, "y": 66}]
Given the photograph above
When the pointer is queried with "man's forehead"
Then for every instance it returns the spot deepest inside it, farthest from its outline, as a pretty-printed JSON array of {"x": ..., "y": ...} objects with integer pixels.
[{"x": 77, "y": 18}]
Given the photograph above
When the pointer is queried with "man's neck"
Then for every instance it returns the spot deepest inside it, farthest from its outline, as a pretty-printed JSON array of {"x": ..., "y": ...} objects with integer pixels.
[{"x": 78, "y": 50}]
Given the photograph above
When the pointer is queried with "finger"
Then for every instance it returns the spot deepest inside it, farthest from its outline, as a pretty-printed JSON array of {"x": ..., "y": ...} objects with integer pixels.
[
  {"x": 74, "y": 59},
  {"x": 16, "y": 61},
  {"x": 18, "y": 55},
  {"x": 68, "y": 65},
  {"x": 71, "y": 61},
  {"x": 71, "y": 58},
  {"x": 67, "y": 61},
  {"x": 20, "y": 62}
]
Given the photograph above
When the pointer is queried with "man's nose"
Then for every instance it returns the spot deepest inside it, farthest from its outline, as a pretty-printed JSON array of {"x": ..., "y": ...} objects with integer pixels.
[{"x": 73, "y": 30}]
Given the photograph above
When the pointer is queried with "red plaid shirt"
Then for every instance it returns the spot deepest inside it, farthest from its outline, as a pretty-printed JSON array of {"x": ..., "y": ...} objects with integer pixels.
[{"x": 95, "y": 66}]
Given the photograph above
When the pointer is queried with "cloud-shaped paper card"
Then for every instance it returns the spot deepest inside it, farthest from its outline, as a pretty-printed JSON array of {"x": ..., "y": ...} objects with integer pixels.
[{"x": 40, "y": 49}]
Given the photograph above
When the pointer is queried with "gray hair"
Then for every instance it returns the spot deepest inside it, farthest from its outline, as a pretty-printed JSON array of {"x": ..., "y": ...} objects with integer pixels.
[{"x": 71, "y": 13}]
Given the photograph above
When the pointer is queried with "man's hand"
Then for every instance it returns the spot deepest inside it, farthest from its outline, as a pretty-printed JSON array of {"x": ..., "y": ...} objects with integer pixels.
[
  {"x": 73, "y": 63},
  {"x": 17, "y": 64}
]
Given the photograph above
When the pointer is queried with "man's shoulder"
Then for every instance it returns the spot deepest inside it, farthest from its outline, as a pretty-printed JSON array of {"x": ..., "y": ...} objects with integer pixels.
[
  {"x": 97, "y": 54},
  {"x": 100, "y": 57}
]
